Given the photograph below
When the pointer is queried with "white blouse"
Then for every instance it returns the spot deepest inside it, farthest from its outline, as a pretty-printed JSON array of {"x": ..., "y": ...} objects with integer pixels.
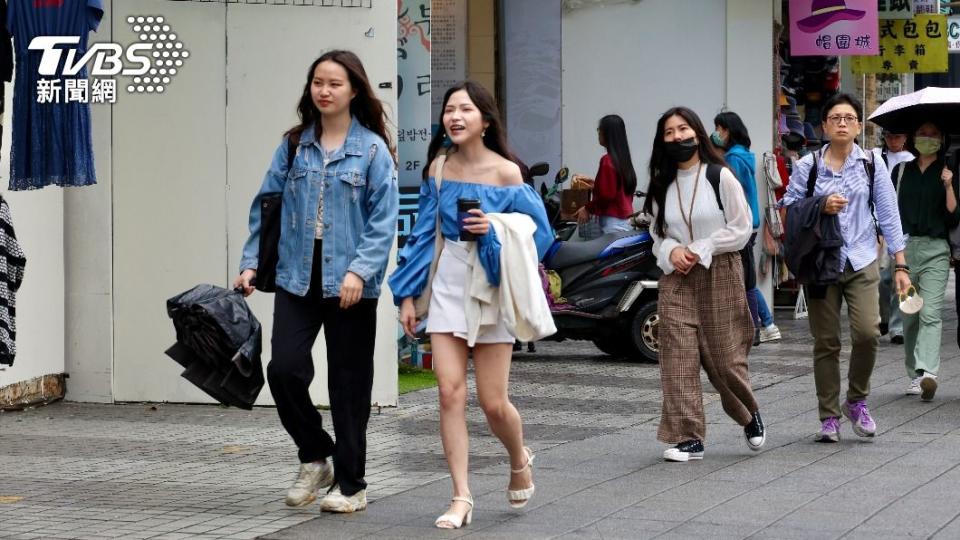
[{"x": 714, "y": 232}]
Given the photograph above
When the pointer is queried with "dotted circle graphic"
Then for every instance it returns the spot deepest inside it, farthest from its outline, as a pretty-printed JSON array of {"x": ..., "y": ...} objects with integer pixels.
[{"x": 166, "y": 53}]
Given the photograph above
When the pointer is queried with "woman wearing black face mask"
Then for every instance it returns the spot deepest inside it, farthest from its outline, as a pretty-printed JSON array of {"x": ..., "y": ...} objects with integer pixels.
[{"x": 704, "y": 317}]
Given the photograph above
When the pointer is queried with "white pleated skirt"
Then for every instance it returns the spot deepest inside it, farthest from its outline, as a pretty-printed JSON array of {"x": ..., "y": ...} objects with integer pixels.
[{"x": 447, "y": 313}]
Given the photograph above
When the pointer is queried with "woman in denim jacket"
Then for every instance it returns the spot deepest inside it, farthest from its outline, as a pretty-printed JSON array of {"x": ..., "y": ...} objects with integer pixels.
[{"x": 338, "y": 221}]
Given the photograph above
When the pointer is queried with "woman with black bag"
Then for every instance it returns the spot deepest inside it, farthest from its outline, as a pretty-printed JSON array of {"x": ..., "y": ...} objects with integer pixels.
[{"x": 337, "y": 176}]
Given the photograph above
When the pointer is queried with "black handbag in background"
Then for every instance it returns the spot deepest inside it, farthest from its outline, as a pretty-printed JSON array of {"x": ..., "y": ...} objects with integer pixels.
[{"x": 270, "y": 210}]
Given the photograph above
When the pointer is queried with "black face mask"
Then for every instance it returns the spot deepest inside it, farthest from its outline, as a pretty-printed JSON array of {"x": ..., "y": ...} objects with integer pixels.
[{"x": 681, "y": 151}]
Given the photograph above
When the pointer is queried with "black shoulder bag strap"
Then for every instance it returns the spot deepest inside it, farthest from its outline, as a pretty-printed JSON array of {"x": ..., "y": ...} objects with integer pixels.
[
  {"x": 812, "y": 176},
  {"x": 292, "y": 145},
  {"x": 713, "y": 176}
]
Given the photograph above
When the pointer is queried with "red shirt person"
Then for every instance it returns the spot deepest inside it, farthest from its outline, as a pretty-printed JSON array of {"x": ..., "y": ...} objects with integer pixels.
[{"x": 616, "y": 180}]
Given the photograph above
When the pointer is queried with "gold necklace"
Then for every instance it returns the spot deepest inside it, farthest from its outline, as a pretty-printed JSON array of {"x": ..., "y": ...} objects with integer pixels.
[{"x": 688, "y": 217}]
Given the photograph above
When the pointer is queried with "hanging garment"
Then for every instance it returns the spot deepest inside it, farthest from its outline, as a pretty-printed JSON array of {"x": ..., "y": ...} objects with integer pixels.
[
  {"x": 218, "y": 342},
  {"x": 12, "y": 263},
  {"x": 6, "y": 61},
  {"x": 52, "y": 141}
]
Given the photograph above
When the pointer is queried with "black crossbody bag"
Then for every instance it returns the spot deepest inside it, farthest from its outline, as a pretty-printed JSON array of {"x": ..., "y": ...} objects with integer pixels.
[{"x": 270, "y": 210}]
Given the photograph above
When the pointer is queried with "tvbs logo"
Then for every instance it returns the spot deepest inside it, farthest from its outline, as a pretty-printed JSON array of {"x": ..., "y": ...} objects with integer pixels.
[
  {"x": 107, "y": 57},
  {"x": 151, "y": 61}
]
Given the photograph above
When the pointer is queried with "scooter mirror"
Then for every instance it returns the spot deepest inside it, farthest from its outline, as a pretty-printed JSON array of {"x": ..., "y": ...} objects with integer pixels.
[{"x": 539, "y": 169}]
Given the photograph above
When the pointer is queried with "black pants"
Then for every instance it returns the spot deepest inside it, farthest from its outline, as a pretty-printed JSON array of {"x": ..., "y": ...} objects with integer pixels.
[{"x": 350, "y": 335}]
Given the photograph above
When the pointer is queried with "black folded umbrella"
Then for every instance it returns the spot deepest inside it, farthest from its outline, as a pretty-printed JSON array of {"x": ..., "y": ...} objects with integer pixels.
[{"x": 218, "y": 342}]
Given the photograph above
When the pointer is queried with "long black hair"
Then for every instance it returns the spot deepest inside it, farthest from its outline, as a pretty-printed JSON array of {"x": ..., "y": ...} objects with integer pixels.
[
  {"x": 737, "y": 131},
  {"x": 614, "y": 134},
  {"x": 663, "y": 170},
  {"x": 495, "y": 136},
  {"x": 365, "y": 107}
]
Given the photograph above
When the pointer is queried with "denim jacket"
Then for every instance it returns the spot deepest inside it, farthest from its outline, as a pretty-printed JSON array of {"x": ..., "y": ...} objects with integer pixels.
[{"x": 360, "y": 205}]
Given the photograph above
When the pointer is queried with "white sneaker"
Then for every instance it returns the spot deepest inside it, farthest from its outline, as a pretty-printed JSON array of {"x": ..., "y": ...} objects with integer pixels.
[
  {"x": 312, "y": 477},
  {"x": 769, "y": 333},
  {"x": 342, "y": 504},
  {"x": 914, "y": 388}
]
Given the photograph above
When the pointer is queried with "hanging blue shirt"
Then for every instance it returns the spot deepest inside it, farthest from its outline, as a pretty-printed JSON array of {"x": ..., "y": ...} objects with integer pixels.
[
  {"x": 52, "y": 141},
  {"x": 412, "y": 272}
]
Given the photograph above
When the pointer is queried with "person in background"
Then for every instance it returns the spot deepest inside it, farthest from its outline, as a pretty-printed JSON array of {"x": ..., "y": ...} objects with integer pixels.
[
  {"x": 842, "y": 179},
  {"x": 616, "y": 180},
  {"x": 730, "y": 134},
  {"x": 704, "y": 317},
  {"x": 927, "y": 198},
  {"x": 338, "y": 226},
  {"x": 892, "y": 152}
]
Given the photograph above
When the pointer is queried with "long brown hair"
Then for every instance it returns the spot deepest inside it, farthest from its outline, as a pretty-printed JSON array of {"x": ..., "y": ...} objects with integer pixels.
[
  {"x": 495, "y": 137},
  {"x": 365, "y": 107},
  {"x": 663, "y": 170}
]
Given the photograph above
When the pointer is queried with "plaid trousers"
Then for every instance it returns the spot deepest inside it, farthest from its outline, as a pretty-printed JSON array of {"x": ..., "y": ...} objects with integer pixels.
[{"x": 704, "y": 321}]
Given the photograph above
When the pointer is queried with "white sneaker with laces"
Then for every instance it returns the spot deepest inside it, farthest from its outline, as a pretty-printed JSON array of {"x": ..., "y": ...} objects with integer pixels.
[
  {"x": 770, "y": 333},
  {"x": 914, "y": 388},
  {"x": 312, "y": 477},
  {"x": 343, "y": 504}
]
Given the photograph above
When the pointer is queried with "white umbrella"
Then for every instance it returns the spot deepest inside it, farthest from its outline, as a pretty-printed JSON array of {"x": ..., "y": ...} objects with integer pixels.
[{"x": 904, "y": 114}]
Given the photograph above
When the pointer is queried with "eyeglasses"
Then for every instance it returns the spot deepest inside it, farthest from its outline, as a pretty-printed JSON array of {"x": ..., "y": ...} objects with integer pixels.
[{"x": 847, "y": 119}]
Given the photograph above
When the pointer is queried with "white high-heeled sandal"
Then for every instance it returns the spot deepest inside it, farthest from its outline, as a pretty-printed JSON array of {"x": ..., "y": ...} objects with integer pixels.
[
  {"x": 518, "y": 498},
  {"x": 455, "y": 519}
]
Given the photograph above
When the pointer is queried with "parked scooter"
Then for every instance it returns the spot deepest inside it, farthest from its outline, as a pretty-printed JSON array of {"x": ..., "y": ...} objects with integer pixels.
[{"x": 609, "y": 285}]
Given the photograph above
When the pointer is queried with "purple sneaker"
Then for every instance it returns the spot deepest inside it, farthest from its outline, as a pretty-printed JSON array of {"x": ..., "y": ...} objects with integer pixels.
[
  {"x": 829, "y": 431},
  {"x": 859, "y": 415}
]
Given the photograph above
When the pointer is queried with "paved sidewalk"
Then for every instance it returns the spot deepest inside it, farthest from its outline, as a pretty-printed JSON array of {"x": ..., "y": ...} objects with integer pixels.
[{"x": 173, "y": 471}]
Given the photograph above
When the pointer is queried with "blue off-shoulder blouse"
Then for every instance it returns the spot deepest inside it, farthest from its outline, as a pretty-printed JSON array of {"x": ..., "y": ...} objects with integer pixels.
[{"x": 413, "y": 268}]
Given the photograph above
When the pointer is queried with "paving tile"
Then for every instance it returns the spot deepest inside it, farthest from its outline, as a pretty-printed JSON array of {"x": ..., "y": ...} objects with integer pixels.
[{"x": 135, "y": 471}]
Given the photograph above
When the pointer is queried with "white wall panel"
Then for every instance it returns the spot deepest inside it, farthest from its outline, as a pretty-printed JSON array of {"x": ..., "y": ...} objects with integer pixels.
[
  {"x": 169, "y": 205},
  {"x": 638, "y": 60}
]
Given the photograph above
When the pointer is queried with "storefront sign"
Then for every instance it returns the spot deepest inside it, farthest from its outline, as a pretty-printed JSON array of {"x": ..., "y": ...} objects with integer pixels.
[
  {"x": 914, "y": 46},
  {"x": 888, "y": 89},
  {"x": 413, "y": 91},
  {"x": 926, "y": 7},
  {"x": 833, "y": 27},
  {"x": 953, "y": 34},
  {"x": 895, "y": 9},
  {"x": 448, "y": 64}
]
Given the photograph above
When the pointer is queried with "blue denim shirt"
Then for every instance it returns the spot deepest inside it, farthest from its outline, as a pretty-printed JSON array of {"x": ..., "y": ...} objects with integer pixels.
[{"x": 360, "y": 204}]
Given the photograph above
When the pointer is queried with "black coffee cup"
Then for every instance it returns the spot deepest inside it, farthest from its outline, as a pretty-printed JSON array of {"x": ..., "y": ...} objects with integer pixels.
[{"x": 463, "y": 212}]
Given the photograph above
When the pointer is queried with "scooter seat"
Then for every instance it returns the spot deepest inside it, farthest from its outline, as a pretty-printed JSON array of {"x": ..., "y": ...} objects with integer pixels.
[{"x": 573, "y": 253}]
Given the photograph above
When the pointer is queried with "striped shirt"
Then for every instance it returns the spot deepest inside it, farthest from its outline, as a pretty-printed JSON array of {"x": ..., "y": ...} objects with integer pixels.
[{"x": 856, "y": 221}]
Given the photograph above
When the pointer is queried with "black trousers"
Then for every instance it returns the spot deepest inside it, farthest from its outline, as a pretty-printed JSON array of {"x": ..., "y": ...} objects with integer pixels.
[{"x": 350, "y": 335}]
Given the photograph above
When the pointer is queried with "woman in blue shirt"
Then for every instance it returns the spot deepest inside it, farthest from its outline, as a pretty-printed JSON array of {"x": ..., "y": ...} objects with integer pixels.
[
  {"x": 338, "y": 221},
  {"x": 479, "y": 167},
  {"x": 730, "y": 134}
]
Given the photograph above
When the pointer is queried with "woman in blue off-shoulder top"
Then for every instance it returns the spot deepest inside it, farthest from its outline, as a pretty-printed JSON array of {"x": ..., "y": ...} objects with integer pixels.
[{"x": 479, "y": 167}]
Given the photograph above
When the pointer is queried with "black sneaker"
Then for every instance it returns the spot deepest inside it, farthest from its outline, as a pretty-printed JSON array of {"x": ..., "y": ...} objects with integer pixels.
[
  {"x": 755, "y": 433},
  {"x": 685, "y": 451},
  {"x": 756, "y": 337},
  {"x": 884, "y": 329},
  {"x": 897, "y": 340}
]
